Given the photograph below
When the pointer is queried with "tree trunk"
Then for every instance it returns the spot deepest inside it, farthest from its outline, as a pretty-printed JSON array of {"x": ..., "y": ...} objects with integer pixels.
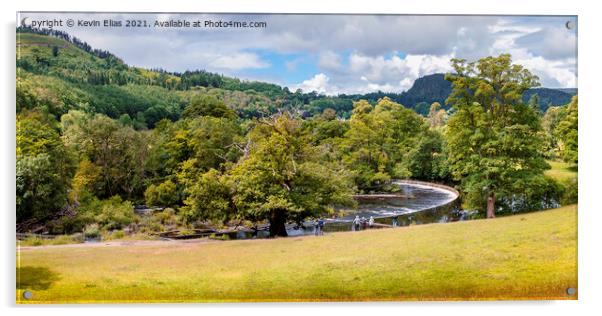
[
  {"x": 277, "y": 223},
  {"x": 491, "y": 206}
]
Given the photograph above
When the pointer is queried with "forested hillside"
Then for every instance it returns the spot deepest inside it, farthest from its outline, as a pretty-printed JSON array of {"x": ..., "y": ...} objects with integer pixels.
[
  {"x": 96, "y": 137},
  {"x": 62, "y": 73}
]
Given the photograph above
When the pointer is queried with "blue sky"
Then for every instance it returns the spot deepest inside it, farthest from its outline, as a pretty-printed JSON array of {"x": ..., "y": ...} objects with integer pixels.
[{"x": 334, "y": 54}]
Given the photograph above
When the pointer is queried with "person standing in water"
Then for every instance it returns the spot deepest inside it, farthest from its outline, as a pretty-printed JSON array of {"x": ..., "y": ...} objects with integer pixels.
[{"x": 371, "y": 221}]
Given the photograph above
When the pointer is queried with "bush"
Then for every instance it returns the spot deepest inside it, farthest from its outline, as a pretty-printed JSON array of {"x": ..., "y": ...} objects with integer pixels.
[
  {"x": 92, "y": 231},
  {"x": 31, "y": 241},
  {"x": 570, "y": 194},
  {"x": 59, "y": 240},
  {"x": 164, "y": 194},
  {"x": 113, "y": 235},
  {"x": 221, "y": 237},
  {"x": 115, "y": 214},
  {"x": 166, "y": 217}
]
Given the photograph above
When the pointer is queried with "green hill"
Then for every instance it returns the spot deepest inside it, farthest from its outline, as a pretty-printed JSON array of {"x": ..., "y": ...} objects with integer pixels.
[
  {"x": 59, "y": 75},
  {"x": 58, "y": 72}
]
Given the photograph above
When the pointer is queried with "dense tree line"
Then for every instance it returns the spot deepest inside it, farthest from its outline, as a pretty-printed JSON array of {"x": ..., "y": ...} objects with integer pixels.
[{"x": 225, "y": 150}]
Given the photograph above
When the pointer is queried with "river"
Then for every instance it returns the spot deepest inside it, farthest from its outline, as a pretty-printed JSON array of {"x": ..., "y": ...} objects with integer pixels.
[{"x": 420, "y": 203}]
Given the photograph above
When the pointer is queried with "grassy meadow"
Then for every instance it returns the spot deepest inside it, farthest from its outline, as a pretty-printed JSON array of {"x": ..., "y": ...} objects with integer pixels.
[
  {"x": 527, "y": 256},
  {"x": 561, "y": 171}
]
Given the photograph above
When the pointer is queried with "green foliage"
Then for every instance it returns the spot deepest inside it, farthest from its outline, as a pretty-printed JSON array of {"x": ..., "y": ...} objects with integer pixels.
[
  {"x": 192, "y": 146},
  {"x": 282, "y": 178},
  {"x": 59, "y": 240},
  {"x": 119, "y": 151},
  {"x": 115, "y": 213},
  {"x": 113, "y": 235},
  {"x": 86, "y": 181},
  {"x": 567, "y": 133},
  {"x": 550, "y": 121},
  {"x": 571, "y": 191},
  {"x": 437, "y": 116},
  {"x": 92, "y": 231},
  {"x": 217, "y": 146},
  {"x": 494, "y": 140},
  {"x": 164, "y": 194},
  {"x": 209, "y": 197},
  {"x": 383, "y": 140},
  {"x": 44, "y": 167},
  {"x": 207, "y": 105},
  {"x": 339, "y": 105}
]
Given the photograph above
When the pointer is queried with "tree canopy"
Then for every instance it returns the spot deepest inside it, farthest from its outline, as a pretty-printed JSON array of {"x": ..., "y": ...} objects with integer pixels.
[{"x": 494, "y": 140}]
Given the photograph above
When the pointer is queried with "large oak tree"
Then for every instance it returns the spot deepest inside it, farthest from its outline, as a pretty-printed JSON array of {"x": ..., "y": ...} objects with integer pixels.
[
  {"x": 283, "y": 177},
  {"x": 495, "y": 140}
]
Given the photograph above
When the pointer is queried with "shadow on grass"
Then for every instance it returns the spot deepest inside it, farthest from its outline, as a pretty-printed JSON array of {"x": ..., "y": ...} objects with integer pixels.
[{"x": 35, "y": 278}]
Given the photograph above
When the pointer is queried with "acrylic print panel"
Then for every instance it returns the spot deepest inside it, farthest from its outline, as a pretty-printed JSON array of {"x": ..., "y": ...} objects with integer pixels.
[{"x": 271, "y": 157}]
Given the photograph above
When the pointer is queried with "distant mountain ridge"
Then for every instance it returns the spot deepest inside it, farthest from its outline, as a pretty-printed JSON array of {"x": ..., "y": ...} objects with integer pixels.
[
  {"x": 60, "y": 72},
  {"x": 434, "y": 88}
]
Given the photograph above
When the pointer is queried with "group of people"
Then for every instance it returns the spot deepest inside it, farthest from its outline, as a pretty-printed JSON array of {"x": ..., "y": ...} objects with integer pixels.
[
  {"x": 362, "y": 223},
  {"x": 358, "y": 223}
]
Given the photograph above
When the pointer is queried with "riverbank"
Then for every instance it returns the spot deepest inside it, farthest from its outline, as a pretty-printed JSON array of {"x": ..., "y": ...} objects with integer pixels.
[{"x": 530, "y": 256}]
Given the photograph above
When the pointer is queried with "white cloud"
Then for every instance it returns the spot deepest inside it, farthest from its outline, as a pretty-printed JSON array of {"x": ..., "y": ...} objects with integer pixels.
[
  {"x": 239, "y": 61},
  {"x": 380, "y": 73},
  {"x": 547, "y": 52},
  {"x": 384, "y": 49},
  {"x": 318, "y": 83},
  {"x": 551, "y": 73},
  {"x": 406, "y": 84}
]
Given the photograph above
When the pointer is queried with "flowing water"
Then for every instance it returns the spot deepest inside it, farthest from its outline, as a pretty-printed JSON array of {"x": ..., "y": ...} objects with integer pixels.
[{"x": 418, "y": 204}]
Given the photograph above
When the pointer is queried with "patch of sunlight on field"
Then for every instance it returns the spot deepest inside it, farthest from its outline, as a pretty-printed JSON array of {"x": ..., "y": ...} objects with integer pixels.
[{"x": 526, "y": 256}]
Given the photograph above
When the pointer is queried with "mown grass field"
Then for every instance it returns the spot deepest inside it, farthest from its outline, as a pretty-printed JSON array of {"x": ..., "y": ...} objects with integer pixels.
[
  {"x": 561, "y": 171},
  {"x": 530, "y": 256}
]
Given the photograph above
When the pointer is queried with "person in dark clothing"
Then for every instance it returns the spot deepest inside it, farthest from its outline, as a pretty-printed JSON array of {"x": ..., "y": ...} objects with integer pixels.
[{"x": 321, "y": 226}]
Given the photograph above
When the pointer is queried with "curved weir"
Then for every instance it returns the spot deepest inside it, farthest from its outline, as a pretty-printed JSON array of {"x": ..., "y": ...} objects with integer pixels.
[{"x": 417, "y": 202}]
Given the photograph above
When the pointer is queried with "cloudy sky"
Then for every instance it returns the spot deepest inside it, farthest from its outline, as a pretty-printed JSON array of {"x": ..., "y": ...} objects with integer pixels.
[{"x": 334, "y": 54}]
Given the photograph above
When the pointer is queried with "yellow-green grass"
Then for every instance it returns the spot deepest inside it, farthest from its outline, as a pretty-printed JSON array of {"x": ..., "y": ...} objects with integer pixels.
[
  {"x": 530, "y": 256},
  {"x": 561, "y": 171},
  {"x": 60, "y": 240}
]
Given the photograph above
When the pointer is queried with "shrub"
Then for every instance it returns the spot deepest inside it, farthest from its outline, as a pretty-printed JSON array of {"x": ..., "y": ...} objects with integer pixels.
[
  {"x": 570, "y": 194},
  {"x": 115, "y": 214},
  {"x": 166, "y": 217},
  {"x": 164, "y": 194},
  {"x": 221, "y": 237},
  {"x": 31, "y": 241},
  {"x": 113, "y": 235},
  {"x": 59, "y": 240},
  {"x": 92, "y": 231}
]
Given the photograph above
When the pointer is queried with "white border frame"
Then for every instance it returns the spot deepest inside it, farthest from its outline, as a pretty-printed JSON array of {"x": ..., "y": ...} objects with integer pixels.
[{"x": 589, "y": 128}]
